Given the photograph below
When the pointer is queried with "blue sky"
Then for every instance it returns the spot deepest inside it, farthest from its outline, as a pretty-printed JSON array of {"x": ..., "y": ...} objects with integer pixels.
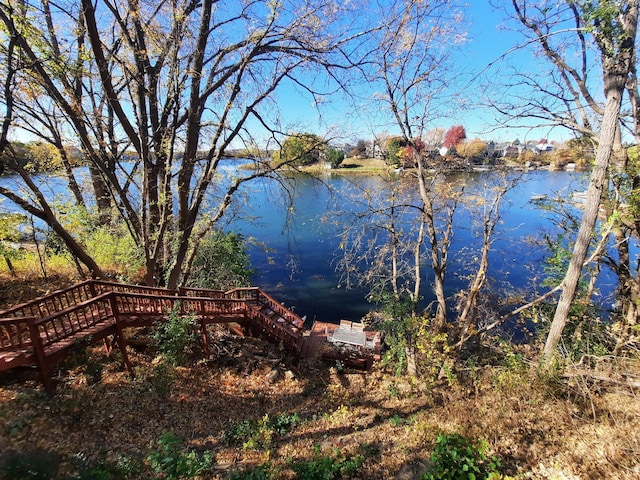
[
  {"x": 488, "y": 39},
  {"x": 343, "y": 121}
]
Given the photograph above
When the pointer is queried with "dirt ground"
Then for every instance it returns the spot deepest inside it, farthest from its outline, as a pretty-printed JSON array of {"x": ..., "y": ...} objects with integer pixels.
[
  {"x": 581, "y": 429},
  {"x": 538, "y": 430}
]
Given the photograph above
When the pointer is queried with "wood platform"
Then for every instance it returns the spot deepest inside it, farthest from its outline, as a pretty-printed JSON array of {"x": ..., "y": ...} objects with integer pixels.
[{"x": 43, "y": 331}]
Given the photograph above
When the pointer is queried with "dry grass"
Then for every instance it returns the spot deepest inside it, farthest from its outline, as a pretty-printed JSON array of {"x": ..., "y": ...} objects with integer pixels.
[{"x": 539, "y": 429}]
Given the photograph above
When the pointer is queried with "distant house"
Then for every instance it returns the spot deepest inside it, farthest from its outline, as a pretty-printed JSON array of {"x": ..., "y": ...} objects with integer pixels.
[
  {"x": 544, "y": 147},
  {"x": 511, "y": 151},
  {"x": 375, "y": 150}
]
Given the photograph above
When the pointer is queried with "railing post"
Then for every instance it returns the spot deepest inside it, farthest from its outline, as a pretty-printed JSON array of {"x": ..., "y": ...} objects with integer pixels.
[
  {"x": 120, "y": 338},
  {"x": 41, "y": 358},
  {"x": 92, "y": 288}
]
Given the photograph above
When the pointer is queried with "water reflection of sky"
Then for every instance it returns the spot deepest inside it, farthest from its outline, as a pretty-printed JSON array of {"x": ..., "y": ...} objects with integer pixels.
[
  {"x": 302, "y": 242},
  {"x": 293, "y": 236}
]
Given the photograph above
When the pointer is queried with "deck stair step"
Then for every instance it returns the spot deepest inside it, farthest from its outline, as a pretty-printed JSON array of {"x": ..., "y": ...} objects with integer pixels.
[{"x": 42, "y": 332}]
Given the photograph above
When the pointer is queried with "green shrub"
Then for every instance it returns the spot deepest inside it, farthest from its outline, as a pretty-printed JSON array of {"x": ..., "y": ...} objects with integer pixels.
[
  {"x": 238, "y": 432},
  {"x": 113, "y": 248},
  {"x": 393, "y": 148},
  {"x": 173, "y": 462},
  {"x": 458, "y": 458},
  {"x": 300, "y": 149},
  {"x": 330, "y": 467},
  {"x": 334, "y": 156},
  {"x": 221, "y": 262},
  {"x": 398, "y": 421},
  {"x": 259, "y": 435},
  {"x": 161, "y": 376},
  {"x": 175, "y": 336}
]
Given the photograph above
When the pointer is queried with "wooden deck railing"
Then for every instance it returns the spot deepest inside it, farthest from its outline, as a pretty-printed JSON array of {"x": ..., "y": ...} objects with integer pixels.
[
  {"x": 78, "y": 319},
  {"x": 43, "y": 331},
  {"x": 52, "y": 303},
  {"x": 15, "y": 342}
]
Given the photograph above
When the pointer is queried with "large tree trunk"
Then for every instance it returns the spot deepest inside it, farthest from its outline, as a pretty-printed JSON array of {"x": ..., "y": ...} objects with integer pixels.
[
  {"x": 617, "y": 47},
  {"x": 102, "y": 195},
  {"x": 614, "y": 84},
  {"x": 439, "y": 249}
]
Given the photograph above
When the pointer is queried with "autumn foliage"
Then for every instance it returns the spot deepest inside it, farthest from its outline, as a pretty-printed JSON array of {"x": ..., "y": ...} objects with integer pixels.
[
  {"x": 472, "y": 149},
  {"x": 454, "y": 136}
]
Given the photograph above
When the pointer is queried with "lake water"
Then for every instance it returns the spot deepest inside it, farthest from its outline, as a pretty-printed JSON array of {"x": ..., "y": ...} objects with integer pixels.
[
  {"x": 296, "y": 250},
  {"x": 293, "y": 232}
]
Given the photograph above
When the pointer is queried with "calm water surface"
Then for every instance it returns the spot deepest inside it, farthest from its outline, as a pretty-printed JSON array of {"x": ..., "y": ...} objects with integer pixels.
[
  {"x": 296, "y": 250},
  {"x": 293, "y": 235}
]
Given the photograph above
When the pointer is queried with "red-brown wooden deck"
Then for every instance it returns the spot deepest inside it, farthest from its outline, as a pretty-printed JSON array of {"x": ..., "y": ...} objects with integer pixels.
[{"x": 43, "y": 331}]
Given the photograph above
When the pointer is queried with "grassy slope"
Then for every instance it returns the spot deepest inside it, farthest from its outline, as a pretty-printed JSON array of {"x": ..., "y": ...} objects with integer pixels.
[{"x": 539, "y": 430}]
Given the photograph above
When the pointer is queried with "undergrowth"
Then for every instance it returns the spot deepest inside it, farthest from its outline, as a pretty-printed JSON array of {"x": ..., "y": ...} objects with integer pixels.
[
  {"x": 458, "y": 458},
  {"x": 260, "y": 434}
]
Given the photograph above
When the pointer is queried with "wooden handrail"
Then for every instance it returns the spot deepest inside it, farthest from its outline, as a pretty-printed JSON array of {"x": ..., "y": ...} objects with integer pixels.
[
  {"x": 291, "y": 318},
  {"x": 43, "y": 329},
  {"x": 43, "y": 305},
  {"x": 200, "y": 292},
  {"x": 107, "y": 286},
  {"x": 159, "y": 304},
  {"x": 74, "y": 320},
  {"x": 14, "y": 333}
]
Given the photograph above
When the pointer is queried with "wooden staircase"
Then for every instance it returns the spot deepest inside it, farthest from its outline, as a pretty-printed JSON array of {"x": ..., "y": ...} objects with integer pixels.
[{"x": 42, "y": 331}]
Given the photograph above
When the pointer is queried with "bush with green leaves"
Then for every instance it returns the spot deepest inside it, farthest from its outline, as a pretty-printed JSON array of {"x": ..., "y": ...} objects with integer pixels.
[
  {"x": 400, "y": 327},
  {"x": 259, "y": 435},
  {"x": 173, "y": 461},
  {"x": 459, "y": 458},
  {"x": 175, "y": 336},
  {"x": 300, "y": 149},
  {"x": 393, "y": 148},
  {"x": 334, "y": 156},
  {"x": 110, "y": 245},
  {"x": 221, "y": 262},
  {"x": 335, "y": 466},
  {"x": 113, "y": 247}
]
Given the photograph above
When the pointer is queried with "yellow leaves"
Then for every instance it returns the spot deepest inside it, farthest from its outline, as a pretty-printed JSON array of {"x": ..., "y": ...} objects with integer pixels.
[
  {"x": 44, "y": 156},
  {"x": 472, "y": 148}
]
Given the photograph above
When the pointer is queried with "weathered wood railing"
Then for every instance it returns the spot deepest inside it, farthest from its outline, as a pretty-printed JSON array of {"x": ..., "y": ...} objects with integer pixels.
[
  {"x": 54, "y": 302},
  {"x": 55, "y": 335},
  {"x": 133, "y": 305},
  {"x": 43, "y": 331},
  {"x": 267, "y": 316},
  {"x": 15, "y": 342}
]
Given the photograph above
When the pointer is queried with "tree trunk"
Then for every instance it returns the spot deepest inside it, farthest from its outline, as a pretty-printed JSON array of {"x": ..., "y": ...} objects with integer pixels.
[
  {"x": 103, "y": 197},
  {"x": 614, "y": 88},
  {"x": 439, "y": 249},
  {"x": 412, "y": 360},
  {"x": 10, "y": 266},
  {"x": 71, "y": 178}
]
